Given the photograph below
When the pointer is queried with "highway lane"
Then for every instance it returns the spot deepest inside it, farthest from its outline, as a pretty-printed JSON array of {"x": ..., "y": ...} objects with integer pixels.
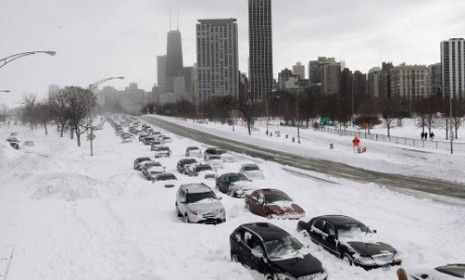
[{"x": 331, "y": 168}]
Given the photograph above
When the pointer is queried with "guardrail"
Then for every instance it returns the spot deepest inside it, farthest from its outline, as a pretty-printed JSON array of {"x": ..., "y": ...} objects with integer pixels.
[{"x": 411, "y": 142}]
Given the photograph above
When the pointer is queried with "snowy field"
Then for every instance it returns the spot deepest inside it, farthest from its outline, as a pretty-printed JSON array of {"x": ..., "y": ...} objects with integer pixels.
[
  {"x": 64, "y": 215},
  {"x": 380, "y": 156}
]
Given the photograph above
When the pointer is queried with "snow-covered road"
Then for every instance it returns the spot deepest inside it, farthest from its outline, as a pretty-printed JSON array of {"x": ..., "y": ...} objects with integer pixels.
[{"x": 69, "y": 216}]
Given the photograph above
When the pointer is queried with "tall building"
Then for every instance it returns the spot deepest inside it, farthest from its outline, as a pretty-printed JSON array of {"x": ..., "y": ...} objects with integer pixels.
[
  {"x": 174, "y": 61},
  {"x": 53, "y": 89},
  {"x": 346, "y": 85},
  {"x": 284, "y": 76},
  {"x": 217, "y": 58},
  {"x": 385, "y": 80},
  {"x": 260, "y": 48},
  {"x": 374, "y": 82},
  {"x": 330, "y": 75},
  {"x": 410, "y": 82},
  {"x": 453, "y": 67},
  {"x": 299, "y": 70},
  {"x": 435, "y": 75},
  {"x": 161, "y": 70},
  {"x": 360, "y": 86}
]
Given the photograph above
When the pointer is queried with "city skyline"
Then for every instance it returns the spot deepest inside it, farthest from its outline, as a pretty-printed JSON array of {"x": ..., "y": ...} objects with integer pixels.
[{"x": 87, "y": 50}]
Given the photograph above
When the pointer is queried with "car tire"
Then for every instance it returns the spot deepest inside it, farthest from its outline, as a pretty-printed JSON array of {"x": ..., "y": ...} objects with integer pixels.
[
  {"x": 234, "y": 258},
  {"x": 186, "y": 219},
  {"x": 347, "y": 259},
  {"x": 177, "y": 212}
]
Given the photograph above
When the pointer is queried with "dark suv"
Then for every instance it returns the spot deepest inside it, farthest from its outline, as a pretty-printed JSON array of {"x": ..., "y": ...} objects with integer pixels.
[
  {"x": 274, "y": 253},
  {"x": 350, "y": 240}
]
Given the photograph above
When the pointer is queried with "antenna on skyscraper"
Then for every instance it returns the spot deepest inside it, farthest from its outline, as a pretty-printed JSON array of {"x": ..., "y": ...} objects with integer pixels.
[
  {"x": 170, "y": 17},
  {"x": 177, "y": 20}
]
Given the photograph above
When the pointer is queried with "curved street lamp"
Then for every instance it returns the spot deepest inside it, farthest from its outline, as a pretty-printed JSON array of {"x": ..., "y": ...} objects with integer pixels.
[
  {"x": 4, "y": 61},
  {"x": 92, "y": 87},
  {"x": 4, "y": 91}
]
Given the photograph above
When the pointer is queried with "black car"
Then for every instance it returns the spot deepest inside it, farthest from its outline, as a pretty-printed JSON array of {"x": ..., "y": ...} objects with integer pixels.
[
  {"x": 350, "y": 240},
  {"x": 273, "y": 252},
  {"x": 210, "y": 151},
  {"x": 182, "y": 164},
  {"x": 138, "y": 161},
  {"x": 225, "y": 181}
]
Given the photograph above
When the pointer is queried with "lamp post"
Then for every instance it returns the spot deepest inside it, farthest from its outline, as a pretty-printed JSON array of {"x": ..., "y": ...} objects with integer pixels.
[
  {"x": 4, "y": 61},
  {"x": 93, "y": 87},
  {"x": 4, "y": 91},
  {"x": 450, "y": 123}
]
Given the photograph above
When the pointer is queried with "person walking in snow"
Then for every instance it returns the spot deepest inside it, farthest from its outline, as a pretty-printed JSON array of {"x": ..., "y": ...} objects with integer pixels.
[
  {"x": 431, "y": 136},
  {"x": 401, "y": 274}
]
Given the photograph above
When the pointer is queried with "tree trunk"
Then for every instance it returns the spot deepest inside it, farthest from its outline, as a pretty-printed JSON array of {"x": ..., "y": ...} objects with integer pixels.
[
  {"x": 45, "y": 128},
  {"x": 62, "y": 128},
  {"x": 388, "y": 126},
  {"x": 72, "y": 133},
  {"x": 447, "y": 129}
]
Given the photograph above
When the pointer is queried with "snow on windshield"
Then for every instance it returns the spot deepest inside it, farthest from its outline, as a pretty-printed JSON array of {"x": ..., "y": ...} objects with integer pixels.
[
  {"x": 285, "y": 248},
  {"x": 356, "y": 233}
]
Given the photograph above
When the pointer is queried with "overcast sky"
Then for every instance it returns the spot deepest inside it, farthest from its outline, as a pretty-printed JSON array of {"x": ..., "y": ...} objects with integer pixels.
[{"x": 99, "y": 38}]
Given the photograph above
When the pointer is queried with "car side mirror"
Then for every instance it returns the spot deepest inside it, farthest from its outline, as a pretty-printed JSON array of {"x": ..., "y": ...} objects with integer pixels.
[
  {"x": 374, "y": 230},
  {"x": 257, "y": 253}
]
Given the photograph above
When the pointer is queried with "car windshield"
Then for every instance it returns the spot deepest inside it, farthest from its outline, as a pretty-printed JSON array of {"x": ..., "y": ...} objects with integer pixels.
[
  {"x": 192, "y": 149},
  {"x": 163, "y": 149},
  {"x": 276, "y": 196},
  {"x": 251, "y": 168},
  {"x": 196, "y": 197},
  {"x": 457, "y": 270},
  {"x": 220, "y": 152},
  {"x": 237, "y": 177},
  {"x": 143, "y": 159},
  {"x": 354, "y": 232},
  {"x": 285, "y": 248},
  {"x": 165, "y": 177},
  {"x": 211, "y": 151},
  {"x": 214, "y": 157},
  {"x": 188, "y": 161},
  {"x": 203, "y": 168}
]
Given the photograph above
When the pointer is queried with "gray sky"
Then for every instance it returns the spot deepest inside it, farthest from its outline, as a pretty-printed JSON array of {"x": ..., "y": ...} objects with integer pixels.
[{"x": 99, "y": 38}]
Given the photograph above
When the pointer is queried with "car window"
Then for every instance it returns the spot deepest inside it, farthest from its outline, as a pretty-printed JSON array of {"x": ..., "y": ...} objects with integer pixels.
[
  {"x": 251, "y": 240},
  {"x": 256, "y": 195},
  {"x": 319, "y": 224},
  {"x": 329, "y": 229}
]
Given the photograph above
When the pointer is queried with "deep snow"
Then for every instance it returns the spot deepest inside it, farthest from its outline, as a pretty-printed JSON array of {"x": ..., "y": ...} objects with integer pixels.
[{"x": 69, "y": 216}]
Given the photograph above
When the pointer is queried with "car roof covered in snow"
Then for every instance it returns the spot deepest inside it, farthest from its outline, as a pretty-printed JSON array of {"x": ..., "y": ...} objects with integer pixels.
[
  {"x": 196, "y": 188},
  {"x": 266, "y": 231},
  {"x": 339, "y": 219}
]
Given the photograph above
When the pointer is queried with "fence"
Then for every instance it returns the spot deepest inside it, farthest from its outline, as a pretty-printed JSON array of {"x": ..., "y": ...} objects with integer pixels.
[{"x": 411, "y": 142}]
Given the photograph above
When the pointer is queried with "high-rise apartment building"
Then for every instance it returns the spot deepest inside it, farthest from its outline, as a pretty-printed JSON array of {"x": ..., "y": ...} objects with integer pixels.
[
  {"x": 360, "y": 86},
  {"x": 453, "y": 67},
  {"x": 217, "y": 58},
  {"x": 385, "y": 80},
  {"x": 410, "y": 82},
  {"x": 346, "y": 82},
  {"x": 435, "y": 75},
  {"x": 260, "y": 48},
  {"x": 374, "y": 82},
  {"x": 299, "y": 70}
]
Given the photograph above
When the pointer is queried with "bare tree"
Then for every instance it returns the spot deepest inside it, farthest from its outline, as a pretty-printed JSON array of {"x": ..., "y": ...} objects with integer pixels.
[
  {"x": 43, "y": 114},
  {"x": 59, "y": 110},
  {"x": 29, "y": 110},
  {"x": 390, "y": 110}
]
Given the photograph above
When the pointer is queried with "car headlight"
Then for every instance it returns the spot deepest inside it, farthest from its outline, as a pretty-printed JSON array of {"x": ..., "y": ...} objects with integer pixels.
[
  {"x": 283, "y": 276},
  {"x": 364, "y": 260},
  {"x": 192, "y": 211}
]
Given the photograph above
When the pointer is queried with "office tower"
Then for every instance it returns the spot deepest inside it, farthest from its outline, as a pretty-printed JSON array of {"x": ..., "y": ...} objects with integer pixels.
[
  {"x": 360, "y": 86},
  {"x": 217, "y": 58},
  {"x": 174, "y": 62},
  {"x": 346, "y": 82},
  {"x": 283, "y": 78},
  {"x": 410, "y": 82},
  {"x": 385, "y": 80},
  {"x": 161, "y": 70},
  {"x": 299, "y": 70},
  {"x": 324, "y": 76},
  {"x": 453, "y": 67},
  {"x": 435, "y": 75},
  {"x": 374, "y": 82},
  {"x": 260, "y": 48}
]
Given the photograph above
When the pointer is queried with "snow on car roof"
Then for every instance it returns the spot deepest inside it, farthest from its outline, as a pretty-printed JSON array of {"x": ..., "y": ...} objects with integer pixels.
[
  {"x": 266, "y": 231},
  {"x": 197, "y": 188}
]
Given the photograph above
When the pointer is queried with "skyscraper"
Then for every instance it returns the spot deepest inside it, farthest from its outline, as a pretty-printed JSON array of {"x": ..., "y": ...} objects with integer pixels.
[
  {"x": 174, "y": 62},
  {"x": 374, "y": 82},
  {"x": 435, "y": 75},
  {"x": 161, "y": 70},
  {"x": 260, "y": 48},
  {"x": 409, "y": 82},
  {"x": 453, "y": 67},
  {"x": 217, "y": 58}
]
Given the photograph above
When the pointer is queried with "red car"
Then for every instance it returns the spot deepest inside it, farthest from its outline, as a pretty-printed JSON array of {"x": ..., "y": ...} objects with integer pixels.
[{"x": 272, "y": 203}]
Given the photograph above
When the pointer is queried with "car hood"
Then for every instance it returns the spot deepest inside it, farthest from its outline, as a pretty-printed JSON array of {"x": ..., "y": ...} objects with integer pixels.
[
  {"x": 205, "y": 205},
  {"x": 298, "y": 267},
  {"x": 367, "y": 249},
  {"x": 282, "y": 207},
  {"x": 243, "y": 185},
  {"x": 255, "y": 174}
]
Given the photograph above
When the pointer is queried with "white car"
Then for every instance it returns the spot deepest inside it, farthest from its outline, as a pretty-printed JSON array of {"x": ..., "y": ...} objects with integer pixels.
[
  {"x": 198, "y": 203},
  {"x": 193, "y": 152},
  {"x": 226, "y": 156},
  {"x": 166, "y": 139},
  {"x": 215, "y": 161},
  {"x": 168, "y": 180},
  {"x": 162, "y": 151},
  {"x": 445, "y": 272},
  {"x": 201, "y": 170},
  {"x": 151, "y": 172},
  {"x": 251, "y": 171}
]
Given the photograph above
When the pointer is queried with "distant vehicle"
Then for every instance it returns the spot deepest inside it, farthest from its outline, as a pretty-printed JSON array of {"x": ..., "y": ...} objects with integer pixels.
[
  {"x": 252, "y": 171},
  {"x": 201, "y": 170},
  {"x": 126, "y": 140},
  {"x": 148, "y": 140},
  {"x": 15, "y": 145},
  {"x": 193, "y": 152},
  {"x": 162, "y": 151},
  {"x": 198, "y": 203},
  {"x": 225, "y": 155},
  {"x": 168, "y": 179},
  {"x": 139, "y": 161},
  {"x": 152, "y": 172},
  {"x": 29, "y": 143},
  {"x": 181, "y": 166},
  {"x": 234, "y": 184},
  {"x": 350, "y": 240},
  {"x": 215, "y": 161},
  {"x": 166, "y": 139},
  {"x": 14, "y": 134},
  {"x": 12, "y": 139},
  {"x": 210, "y": 151},
  {"x": 445, "y": 272},
  {"x": 273, "y": 252},
  {"x": 155, "y": 145},
  {"x": 142, "y": 136},
  {"x": 273, "y": 203},
  {"x": 148, "y": 164}
]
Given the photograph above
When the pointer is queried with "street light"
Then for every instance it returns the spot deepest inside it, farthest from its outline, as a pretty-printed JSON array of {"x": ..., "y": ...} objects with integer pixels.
[
  {"x": 92, "y": 87},
  {"x": 4, "y": 90},
  {"x": 4, "y": 61}
]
